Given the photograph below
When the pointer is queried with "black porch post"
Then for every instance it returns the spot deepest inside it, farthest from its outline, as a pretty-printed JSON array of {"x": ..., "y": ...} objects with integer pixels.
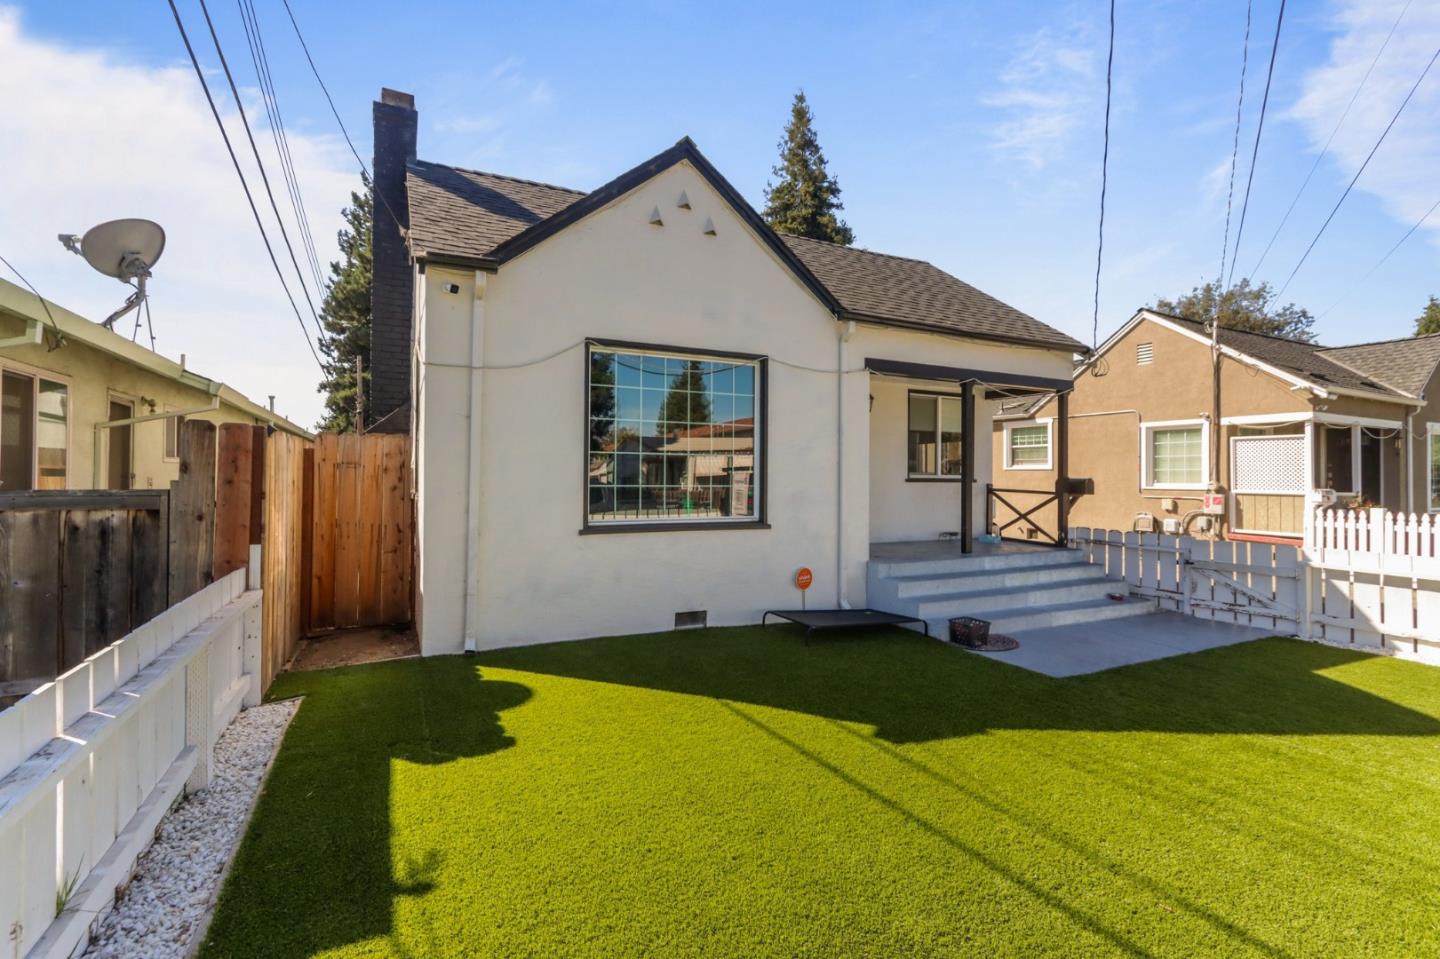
[
  {"x": 967, "y": 466},
  {"x": 1062, "y": 468}
]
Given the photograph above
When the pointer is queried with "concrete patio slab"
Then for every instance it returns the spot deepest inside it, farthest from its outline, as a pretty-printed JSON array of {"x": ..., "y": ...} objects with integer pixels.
[{"x": 1093, "y": 647}]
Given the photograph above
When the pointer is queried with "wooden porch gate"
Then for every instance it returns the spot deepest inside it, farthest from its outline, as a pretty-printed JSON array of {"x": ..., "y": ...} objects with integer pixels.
[{"x": 359, "y": 544}]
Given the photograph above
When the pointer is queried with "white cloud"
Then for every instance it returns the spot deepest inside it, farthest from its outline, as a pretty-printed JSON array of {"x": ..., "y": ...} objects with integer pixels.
[
  {"x": 1047, "y": 90},
  {"x": 90, "y": 137},
  {"x": 1405, "y": 173}
]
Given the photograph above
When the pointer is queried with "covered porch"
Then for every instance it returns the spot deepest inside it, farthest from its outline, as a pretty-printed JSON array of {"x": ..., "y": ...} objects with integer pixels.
[{"x": 930, "y": 480}]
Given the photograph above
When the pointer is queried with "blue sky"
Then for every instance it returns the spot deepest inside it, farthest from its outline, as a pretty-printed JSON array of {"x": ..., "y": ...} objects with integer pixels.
[{"x": 965, "y": 134}]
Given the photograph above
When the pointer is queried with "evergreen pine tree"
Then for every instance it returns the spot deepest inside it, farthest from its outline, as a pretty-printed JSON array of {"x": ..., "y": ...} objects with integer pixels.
[
  {"x": 806, "y": 199},
  {"x": 686, "y": 403},
  {"x": 345, "y": 315},
  {"x": 1429, "y": 319}
]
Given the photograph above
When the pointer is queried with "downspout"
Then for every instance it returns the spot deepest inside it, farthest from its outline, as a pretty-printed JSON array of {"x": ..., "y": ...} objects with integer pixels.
[
  {"x": 842, "y": 589},
  {"x": 474, "y": 395}
]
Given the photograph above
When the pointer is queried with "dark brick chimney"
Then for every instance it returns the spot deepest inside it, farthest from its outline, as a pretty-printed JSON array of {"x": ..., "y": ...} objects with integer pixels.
[{"x": 392, "y": 282}]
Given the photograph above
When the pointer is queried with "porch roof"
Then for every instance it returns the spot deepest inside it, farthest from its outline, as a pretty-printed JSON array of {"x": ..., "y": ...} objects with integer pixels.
[{"x": 958, "y": 374}]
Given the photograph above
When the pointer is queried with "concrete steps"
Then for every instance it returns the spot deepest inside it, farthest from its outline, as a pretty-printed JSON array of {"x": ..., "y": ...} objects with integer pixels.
[{"x": 1015, "y": 590}]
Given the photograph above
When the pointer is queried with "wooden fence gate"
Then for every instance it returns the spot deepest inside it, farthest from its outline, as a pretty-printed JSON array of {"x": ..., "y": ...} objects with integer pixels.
[{"x": 360, "y": 552}]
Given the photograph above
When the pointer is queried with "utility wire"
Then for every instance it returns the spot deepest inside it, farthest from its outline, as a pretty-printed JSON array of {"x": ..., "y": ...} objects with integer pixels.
[
  {"x": 1398, "y": 243},
  {"x": 264, "y": 178},
  {"x": 346, "y": 133},
  {"x": 1321, "y": 232},
  {"x": 1104, "y": 182},
  {"x": 59, "y": 337},
  {"x": 254, "y": 210},
  {"x": 1235, "y": 146},
  {"x": 261, "y": 61},
  {"x": 1326, "y": 149},
  {"x": 1255, "y": 153}
]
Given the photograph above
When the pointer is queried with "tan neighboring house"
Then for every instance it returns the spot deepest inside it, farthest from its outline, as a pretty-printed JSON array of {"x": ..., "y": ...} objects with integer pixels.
[
  {"x": 85, "y": 408},
  {"x": 1298, "y": 423}
]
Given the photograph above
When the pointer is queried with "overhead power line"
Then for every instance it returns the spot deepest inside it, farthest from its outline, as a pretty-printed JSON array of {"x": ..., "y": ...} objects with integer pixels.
[
  {"x": 261, "y": 61},
  {"x": 1255, "y": 153},
  {"x": 59, "y": 337},
  {"x": 235, "y": 161},
  {"x": 346, "y": 133},
  {"x": 1381, "y": 262},
  {"x": 1326, "y": 149},
  {"x": 1384, "y": 133},
  {"x": 260, "y": 163},
  {"x": 1235, "y": 145},
  {"x": 1104, "y": 181}
]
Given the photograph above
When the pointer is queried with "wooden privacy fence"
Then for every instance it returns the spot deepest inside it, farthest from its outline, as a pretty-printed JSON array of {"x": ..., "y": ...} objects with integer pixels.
[
  {"x": 361, "y": 553},
  {"x": 1363, "y": 595},
  {"x": 91, "y": 762}
]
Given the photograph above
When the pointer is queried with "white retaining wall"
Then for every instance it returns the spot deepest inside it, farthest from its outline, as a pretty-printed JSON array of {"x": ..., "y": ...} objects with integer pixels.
[{"x": 91, "y": 762}]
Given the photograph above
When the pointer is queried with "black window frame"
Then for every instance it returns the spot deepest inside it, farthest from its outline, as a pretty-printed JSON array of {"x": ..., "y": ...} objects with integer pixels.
[
  {"x": 937, "y": 478},
  {"x": 762, "y": 425}
]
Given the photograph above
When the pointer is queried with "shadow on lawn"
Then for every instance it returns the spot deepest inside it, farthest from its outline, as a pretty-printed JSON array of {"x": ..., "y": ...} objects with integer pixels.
[
  {"x": 316, "y": 870},
  {"x": 912, "y": 689}
]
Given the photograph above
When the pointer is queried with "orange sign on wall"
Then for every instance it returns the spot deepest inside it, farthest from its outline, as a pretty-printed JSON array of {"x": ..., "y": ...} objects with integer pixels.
[{"x": 803, "y": 577}]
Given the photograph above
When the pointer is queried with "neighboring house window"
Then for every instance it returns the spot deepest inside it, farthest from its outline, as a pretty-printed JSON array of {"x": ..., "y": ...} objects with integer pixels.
[
  {"x": 172, "y": 435},
  {"x": 673, "y": 437},
  {"x": 1173, "y": 455},
  {"x": 1434, "y": 458},
  {"x": 34, "y": 429},
  {"x": 1027, "y": 447},
  {"x": 1144, "y": 354},
  {"x": 934, "y": 436}
]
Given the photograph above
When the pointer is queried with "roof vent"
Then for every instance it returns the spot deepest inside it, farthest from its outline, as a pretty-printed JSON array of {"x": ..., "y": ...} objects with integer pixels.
[
  {"x": 1144, "y": 354},
  {"x": 655, "y": 217},
  {"x": 709, "y": 227},
  {"x": 684, "y": 201},
  {"x": 691, "y": 619}
]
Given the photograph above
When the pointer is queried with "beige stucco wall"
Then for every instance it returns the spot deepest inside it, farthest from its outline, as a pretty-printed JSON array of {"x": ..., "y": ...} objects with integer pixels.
[
  {"x": 92, "y": 377},
  {"x": 614, "y": 276}
]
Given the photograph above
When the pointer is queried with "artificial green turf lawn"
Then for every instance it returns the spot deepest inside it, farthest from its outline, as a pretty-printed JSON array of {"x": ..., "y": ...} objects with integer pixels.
[{"x": 731, "y": 792}]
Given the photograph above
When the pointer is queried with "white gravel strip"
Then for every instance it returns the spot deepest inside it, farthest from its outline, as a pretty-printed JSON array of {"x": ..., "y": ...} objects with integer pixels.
[{"x": 178, "y": 878}]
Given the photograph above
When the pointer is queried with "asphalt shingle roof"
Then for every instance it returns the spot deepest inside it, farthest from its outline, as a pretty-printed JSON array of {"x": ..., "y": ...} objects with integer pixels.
[
  {"x": 468, "y": 213},
  {"x": 918, "y": 293},
  {"x": 1405, "y": 365},
  {"x": 1309, "y": 361}
]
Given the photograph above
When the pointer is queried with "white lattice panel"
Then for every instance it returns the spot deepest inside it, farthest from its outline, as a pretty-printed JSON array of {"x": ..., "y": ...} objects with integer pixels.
[{"x": 1268, "y": 464}]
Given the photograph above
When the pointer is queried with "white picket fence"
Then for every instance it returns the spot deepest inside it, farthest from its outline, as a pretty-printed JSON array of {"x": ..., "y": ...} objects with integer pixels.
[
  {"x": 1368, "y": 580},
  {"x": 91, "y": 762}
]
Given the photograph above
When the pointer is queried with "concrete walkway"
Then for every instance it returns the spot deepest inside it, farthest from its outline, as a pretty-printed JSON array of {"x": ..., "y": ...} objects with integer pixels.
[{"x": 1092, "y": 647}]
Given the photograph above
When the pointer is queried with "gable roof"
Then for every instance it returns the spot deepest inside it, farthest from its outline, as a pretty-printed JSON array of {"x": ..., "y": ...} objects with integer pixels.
[
  {"x": 1405, "y": 365},
  {"x": 481, "y": 220}
]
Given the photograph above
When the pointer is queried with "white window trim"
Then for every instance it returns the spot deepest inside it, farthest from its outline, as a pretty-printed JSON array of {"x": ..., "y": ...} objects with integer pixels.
[
  {"x": 39, "y": 373},
  {"x": 1146, "y": 428},
  {"x": 1430, "y": 465},
  {"x": 165, "y": 439},
  {"x": 1049, "y": 424}
]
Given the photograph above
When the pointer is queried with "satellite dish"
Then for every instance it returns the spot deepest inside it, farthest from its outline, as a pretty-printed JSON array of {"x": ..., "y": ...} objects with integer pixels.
[{"x": 125, "y": 249}]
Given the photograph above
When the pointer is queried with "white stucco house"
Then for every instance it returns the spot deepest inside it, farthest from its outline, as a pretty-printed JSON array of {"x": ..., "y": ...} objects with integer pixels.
[{"x": 641, "y": 402}]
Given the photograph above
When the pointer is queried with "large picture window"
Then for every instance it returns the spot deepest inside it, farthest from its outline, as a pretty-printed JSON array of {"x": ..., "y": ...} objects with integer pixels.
[
  {"x": 673, "y": 437},
  {"x": 34, "y": 429},
  {"x": 1174, "y": 455},
  {"x": 934, "y": 436}
]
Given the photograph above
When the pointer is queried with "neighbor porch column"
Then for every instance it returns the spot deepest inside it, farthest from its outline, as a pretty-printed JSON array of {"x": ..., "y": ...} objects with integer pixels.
[
  {"x": 967, "y": 466},
  {"x": 1062, "y": 468}
]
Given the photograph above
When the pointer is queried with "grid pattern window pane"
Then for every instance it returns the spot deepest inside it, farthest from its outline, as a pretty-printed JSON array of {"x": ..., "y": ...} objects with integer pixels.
[
  {"x": 671, "y": 437},
  {"x": 1176, "y": 456},
  {"x": 934, "y": 435},
  {"x": 1029, "y": 445}
]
